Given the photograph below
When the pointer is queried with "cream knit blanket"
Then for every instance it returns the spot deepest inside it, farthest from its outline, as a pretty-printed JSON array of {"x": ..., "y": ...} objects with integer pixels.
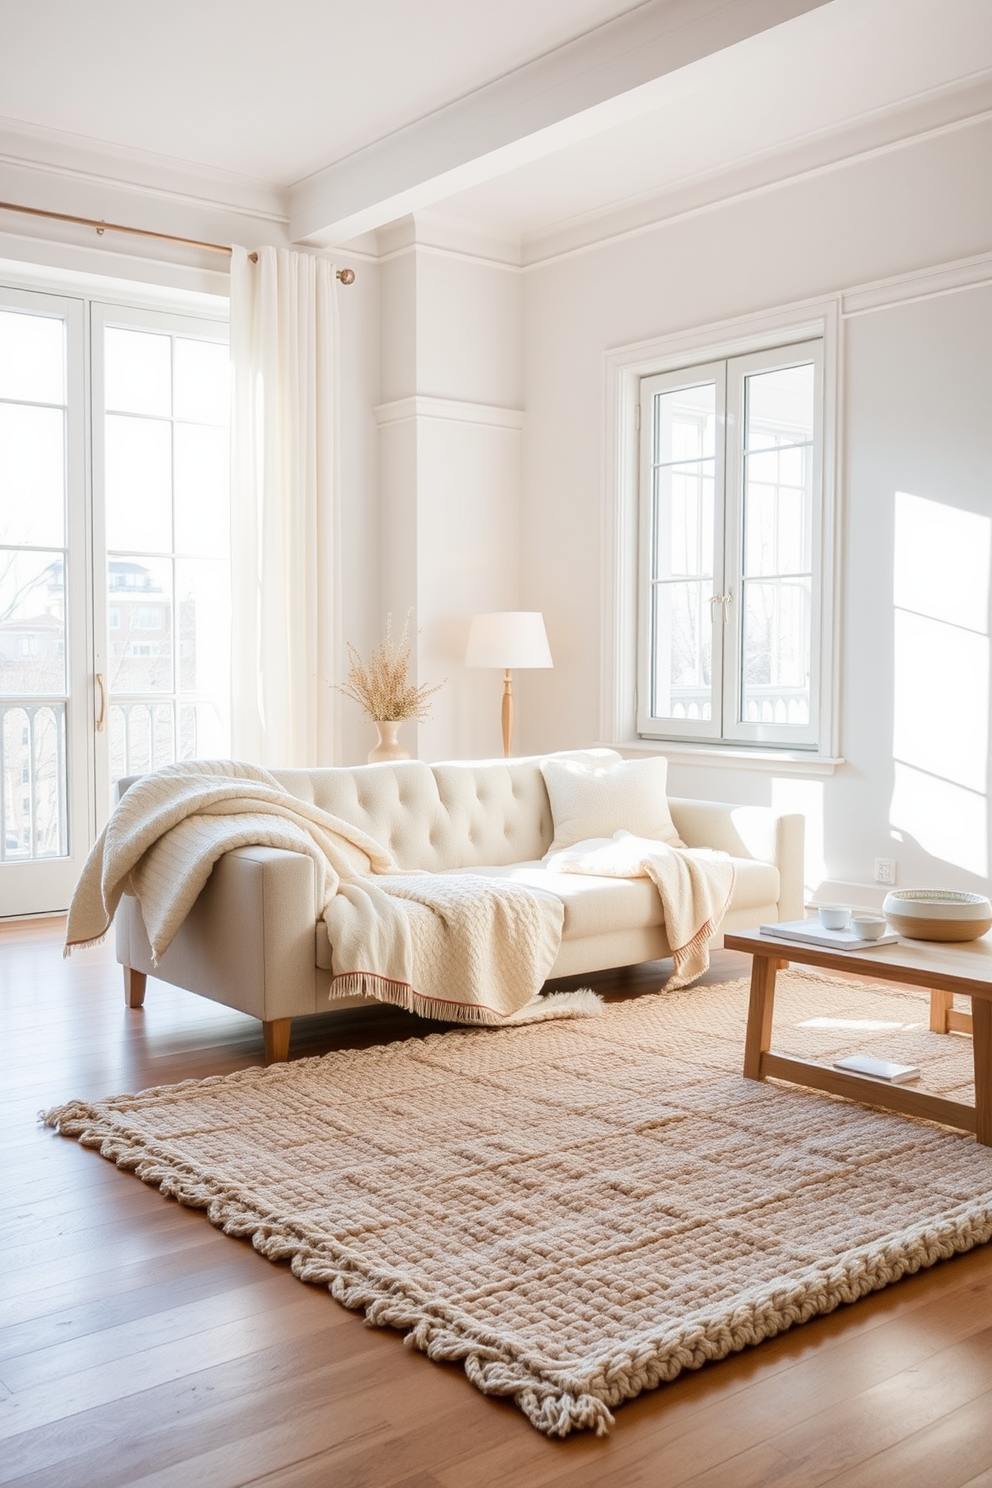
[
  {"x": 464, "y": 948},
  {"x": 695, "y": 885}
]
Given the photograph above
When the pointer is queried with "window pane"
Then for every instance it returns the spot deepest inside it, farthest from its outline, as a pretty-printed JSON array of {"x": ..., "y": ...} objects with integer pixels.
[
  {"x": 139, "y": 484},
  {"x": 683, "y": 520},
  {"x": 204, "y": 608},
  {"x": 142, "y": 738},
  {"x": 137, "y": 372},
  {"x": 32, "y": 758},
  {"x": 32, "y": 357},
  {"x": 204, "y": 731},
  {"x": 685, "y": 423},
  {"x": 776, "y": 652},
  {"x": 779, "y": 406},
  {"x": 682, "y": 633},
  {"x": 140, "y": 642},
  {"x": 202, "y": 490},
  {"x": 32, "y": 622},
  {"x": 777, "y": 512},
  {"x": 203, "y": 381},
  {"x": 32, "y": 475}
]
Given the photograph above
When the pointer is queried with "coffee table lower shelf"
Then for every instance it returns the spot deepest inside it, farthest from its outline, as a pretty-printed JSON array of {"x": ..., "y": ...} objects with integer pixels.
[
  {"x": 965, "y": 969},
  {"x": 863, "y": 1088}
]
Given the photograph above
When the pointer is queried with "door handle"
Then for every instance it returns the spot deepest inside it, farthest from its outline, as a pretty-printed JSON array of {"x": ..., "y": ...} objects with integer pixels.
[{"x": 102, "y": 718}]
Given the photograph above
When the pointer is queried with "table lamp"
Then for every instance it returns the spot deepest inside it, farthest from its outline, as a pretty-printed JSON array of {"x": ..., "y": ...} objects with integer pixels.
[{"x": 508, "y": 639}]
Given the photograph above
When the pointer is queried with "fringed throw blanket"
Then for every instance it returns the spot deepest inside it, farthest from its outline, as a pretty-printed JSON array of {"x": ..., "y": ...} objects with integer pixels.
[
  {"x": 695, "y": 885},
  {"x": 463, "y": 948}
]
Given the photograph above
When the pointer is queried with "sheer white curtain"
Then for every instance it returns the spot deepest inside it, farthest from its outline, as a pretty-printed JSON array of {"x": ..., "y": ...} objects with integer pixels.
[{"x": 284, "y": 346}]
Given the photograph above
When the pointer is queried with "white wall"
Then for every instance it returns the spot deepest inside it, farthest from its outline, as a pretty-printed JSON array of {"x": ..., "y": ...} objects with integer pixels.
[
  {"x": 450, "y": 438},
  {"x": 916, "y": 379}
]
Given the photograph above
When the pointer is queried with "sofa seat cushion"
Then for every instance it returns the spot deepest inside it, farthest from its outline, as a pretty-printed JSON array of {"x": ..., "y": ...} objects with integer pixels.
[
  {"x": 607, "y": 906},
  {"x": 602, "y": 906},
  {"x": 593, "y": 906}
]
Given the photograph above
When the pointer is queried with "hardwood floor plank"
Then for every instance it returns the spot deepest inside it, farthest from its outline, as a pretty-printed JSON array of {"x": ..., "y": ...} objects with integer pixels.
[
  {"x": 82, "y": 1320},
  {"x": 853, "y": 1432},
  {"x": 944, "y": 1454}
]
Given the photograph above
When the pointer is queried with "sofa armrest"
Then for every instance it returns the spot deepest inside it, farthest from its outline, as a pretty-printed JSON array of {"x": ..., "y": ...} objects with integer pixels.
[
  {"x": 749, "y": 832},
  {"x": 248, "y": 941}
]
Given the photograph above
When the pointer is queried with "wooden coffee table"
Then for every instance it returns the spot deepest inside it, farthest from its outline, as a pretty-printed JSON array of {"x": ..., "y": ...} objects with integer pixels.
[{"x": 940, "y": 968}]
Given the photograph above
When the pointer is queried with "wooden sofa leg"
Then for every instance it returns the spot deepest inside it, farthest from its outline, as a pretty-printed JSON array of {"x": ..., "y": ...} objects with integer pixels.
[
  {"x": 276, "y": 1037},
  {"x": 134, "y": 987}
]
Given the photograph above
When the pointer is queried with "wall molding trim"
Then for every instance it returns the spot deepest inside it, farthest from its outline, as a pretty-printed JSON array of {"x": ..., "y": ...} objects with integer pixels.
[
  {"x": 961, "y": 105},
  {"x": 405, "y": 410},
  {"x": 921, "y": 284}
]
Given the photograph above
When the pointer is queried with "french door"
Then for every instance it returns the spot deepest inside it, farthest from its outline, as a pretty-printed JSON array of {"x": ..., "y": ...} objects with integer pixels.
[{"x": 114, "y": 568}]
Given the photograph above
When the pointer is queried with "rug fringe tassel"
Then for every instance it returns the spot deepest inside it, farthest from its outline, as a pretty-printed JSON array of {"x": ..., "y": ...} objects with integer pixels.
[{"x": 578, "y": 1004}]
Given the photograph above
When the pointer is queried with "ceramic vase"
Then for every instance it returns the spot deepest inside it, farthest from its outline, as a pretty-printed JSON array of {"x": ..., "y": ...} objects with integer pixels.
[{"x": 388, "y": 747}]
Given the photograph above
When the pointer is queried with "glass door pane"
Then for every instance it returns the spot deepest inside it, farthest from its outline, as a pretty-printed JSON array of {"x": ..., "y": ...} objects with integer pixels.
[
  {"x": 165, "y": 466},
  {"x": 45, "y": 704}
]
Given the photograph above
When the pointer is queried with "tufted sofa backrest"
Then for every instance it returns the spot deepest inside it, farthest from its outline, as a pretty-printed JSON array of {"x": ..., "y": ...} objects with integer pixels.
[{"x": 459, "y": 815}]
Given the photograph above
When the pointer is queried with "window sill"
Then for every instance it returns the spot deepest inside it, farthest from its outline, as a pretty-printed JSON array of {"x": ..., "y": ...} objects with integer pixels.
[{"x": 770, "y": 761}]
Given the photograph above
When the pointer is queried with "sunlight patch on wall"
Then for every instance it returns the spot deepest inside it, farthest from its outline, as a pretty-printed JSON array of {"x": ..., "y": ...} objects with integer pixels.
[
  {"x": 941, "y": 562},
  {"x": 940, "y": 699},
  {"x": 948, "y": 821},
  {"x": 940, "y": 679},
  {"x": 806, "y": 797},
  {"x": 940, "y": 713}
]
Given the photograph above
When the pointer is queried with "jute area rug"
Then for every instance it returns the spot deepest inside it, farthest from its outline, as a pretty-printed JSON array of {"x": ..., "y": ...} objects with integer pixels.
[{"x": 578, "y": 1210}]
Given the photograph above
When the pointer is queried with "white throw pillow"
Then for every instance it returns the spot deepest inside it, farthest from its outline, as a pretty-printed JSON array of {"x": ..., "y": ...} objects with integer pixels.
[{"x": 595, "y": 798}]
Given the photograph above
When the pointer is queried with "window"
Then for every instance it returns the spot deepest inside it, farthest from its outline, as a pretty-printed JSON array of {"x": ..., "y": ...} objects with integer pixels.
[
  {"x": 730, "y": 588},
  {"x": 163, "y": 437},
  {"x": 113, "y": 461}
]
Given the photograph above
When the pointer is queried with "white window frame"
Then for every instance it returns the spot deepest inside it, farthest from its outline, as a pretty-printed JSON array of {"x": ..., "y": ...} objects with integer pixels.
[
  {"x": 624, "y": 368},
  {"x": 726, "y": 620}
]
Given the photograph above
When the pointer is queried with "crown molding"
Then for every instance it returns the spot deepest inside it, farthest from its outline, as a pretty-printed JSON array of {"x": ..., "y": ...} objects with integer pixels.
[
  {"x": 55, "y": 172},
  {"x": 405, "y": 410},
  {"x": 922, "y": 284},
  {"x": 435, "y": 233},
  {"x": 962, "y": 104}
]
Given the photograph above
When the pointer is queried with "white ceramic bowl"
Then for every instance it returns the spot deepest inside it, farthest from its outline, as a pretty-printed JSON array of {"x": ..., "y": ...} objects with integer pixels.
[
  {"x": 834, "y": 917},
  {"x": 938, "y": 914},
  {"x": 869, "y": 927}
]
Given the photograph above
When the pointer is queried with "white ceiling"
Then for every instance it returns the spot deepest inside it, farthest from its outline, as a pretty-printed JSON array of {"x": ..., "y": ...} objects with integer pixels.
[
  {"x": 269, "y": 91},
  {"x": 355, "y": 112}
]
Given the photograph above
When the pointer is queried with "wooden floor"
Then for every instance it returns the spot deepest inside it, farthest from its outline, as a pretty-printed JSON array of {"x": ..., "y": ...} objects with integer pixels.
[{"x": 141, "y": 1346}]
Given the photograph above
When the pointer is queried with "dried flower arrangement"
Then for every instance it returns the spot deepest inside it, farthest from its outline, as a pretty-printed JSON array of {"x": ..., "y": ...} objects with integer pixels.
[{"x": 380, "y": 686}]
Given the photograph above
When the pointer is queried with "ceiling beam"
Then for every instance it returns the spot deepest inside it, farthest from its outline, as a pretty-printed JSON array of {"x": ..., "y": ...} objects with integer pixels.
[{"x": 594, "y": 82}]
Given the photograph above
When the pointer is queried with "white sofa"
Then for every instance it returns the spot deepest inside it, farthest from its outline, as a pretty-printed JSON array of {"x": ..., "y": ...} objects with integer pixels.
[{"x": 251, "y": 943}]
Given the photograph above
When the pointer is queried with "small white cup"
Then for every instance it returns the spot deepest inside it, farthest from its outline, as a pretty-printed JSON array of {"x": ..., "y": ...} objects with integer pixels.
[
  {"x": 834, "y": 917},
  {"x": 869, "y": 927}
]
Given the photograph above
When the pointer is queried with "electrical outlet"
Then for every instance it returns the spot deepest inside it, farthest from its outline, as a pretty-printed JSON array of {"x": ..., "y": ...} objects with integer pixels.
[{"x": 885, "y": 870}]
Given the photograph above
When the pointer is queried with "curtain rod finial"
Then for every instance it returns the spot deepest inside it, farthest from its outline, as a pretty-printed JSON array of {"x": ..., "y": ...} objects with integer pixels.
[{"x": 347, "y": 276}]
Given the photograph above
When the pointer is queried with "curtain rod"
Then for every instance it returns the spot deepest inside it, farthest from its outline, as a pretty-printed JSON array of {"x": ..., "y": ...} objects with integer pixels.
[{"x": 347, "y": 276}]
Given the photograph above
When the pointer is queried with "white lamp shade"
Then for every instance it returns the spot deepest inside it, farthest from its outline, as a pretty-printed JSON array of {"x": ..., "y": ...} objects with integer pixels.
[{"x": 509, "y": 639}]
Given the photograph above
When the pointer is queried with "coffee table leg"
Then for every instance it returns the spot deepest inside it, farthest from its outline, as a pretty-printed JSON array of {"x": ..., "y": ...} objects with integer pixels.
[
  {"x": 981, "y": 1012},
  {"x": 941, "y": 1003},
  {"x": 760, "y": 1011}
]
